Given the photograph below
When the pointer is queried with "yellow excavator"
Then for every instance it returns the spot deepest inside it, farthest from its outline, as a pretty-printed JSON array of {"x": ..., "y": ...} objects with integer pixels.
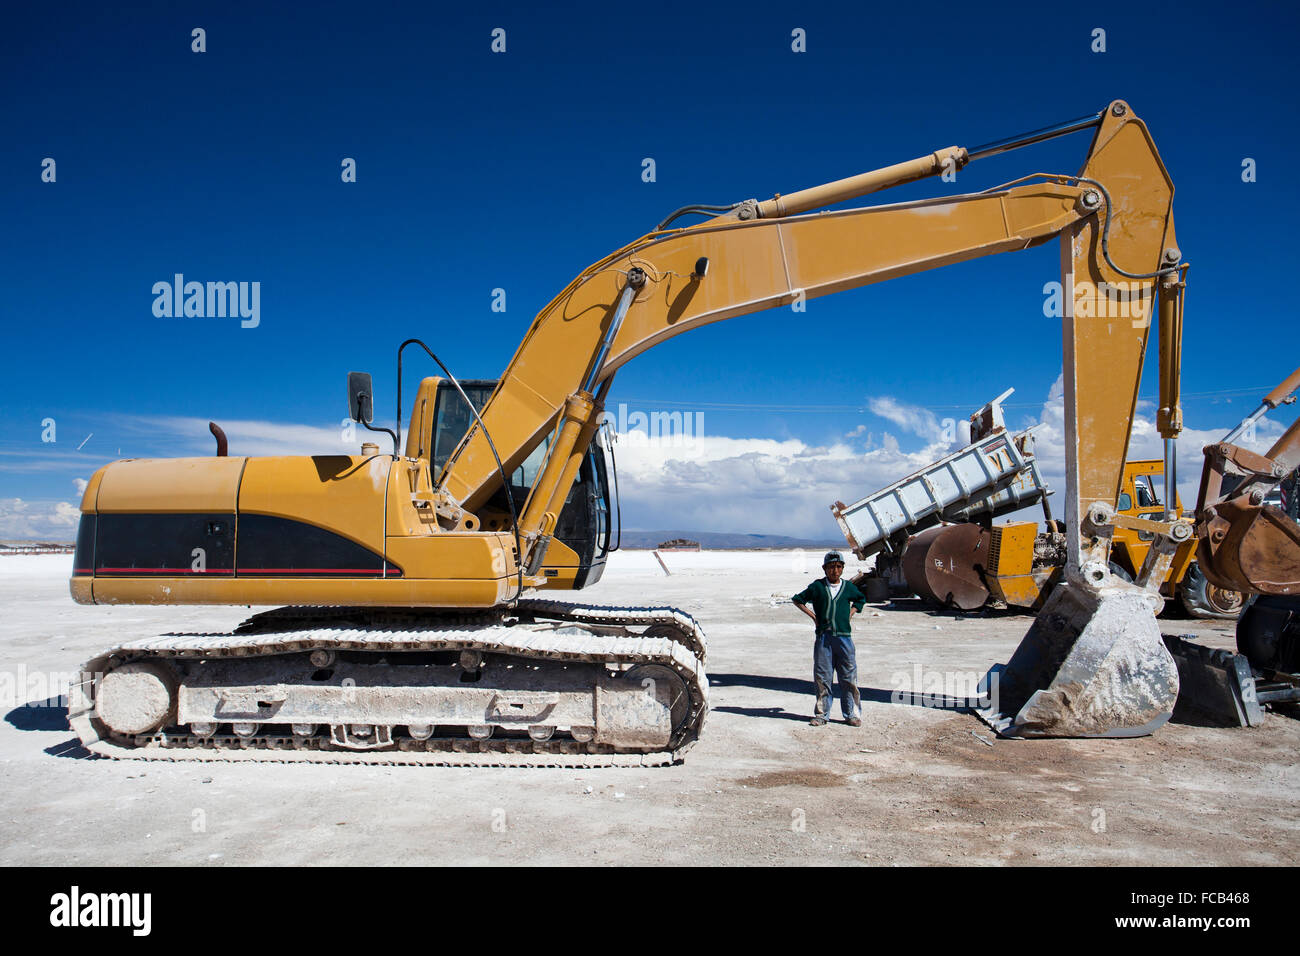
[{"x": 408, "y": 629}]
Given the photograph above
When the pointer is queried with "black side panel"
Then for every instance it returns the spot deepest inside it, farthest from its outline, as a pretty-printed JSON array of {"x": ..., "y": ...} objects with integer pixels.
[
  {"x": 83, "y": 562},
  {"x": 180, "y": 544},
  {"x": 270, "y": 546},
  {"x": 589, "y": 574}
]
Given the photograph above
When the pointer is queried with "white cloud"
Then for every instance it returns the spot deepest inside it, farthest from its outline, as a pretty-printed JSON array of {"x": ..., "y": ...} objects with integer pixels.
[
  {"x": 786, "y": 487},
  {"x": 52, "y": 520},
  {"x": 754, "y": 484},
  {"x": 911, "y": 418},
  {"x": 251, "y": 437}
]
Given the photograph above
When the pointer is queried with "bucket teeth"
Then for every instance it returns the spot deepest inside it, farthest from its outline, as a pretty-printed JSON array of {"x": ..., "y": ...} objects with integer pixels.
[{"x": 1092, "y": 665}]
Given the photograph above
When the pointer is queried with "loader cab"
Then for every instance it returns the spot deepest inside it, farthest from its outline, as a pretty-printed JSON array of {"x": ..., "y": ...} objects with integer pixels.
[
  {"x": 576, "y": 557},
  {"x": 1145, "y": 494},
  {"x": 1141, "y": 489}
]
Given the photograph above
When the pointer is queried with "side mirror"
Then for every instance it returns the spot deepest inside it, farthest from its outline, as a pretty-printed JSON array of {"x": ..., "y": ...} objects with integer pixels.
[{"x": 361, "y": 406}]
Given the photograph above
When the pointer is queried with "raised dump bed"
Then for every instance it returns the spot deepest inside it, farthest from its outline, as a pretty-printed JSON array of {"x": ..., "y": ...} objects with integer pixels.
[{"x": 994, "y": 475}]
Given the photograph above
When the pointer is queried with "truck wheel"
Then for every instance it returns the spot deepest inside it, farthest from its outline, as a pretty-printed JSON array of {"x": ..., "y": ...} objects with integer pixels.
[
  {"x": 1202, "y": 599},
  {"x": 876, "y": 589}
]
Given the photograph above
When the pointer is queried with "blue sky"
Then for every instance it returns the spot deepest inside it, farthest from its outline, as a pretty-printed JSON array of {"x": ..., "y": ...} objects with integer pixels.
[{"x": 478, "y": 171}]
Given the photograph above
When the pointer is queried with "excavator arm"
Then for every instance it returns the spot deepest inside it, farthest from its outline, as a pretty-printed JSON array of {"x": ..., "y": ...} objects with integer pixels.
[
  {"x": 672, "y": 282},
  {"x": 1116, "y": 230}
]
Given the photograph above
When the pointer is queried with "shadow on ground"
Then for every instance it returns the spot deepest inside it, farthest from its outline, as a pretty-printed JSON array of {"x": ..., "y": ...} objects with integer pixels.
[
  {"x": 931, "y": 610},
  {"x": 794, "y": 685},
  {"x": 72, "y": 750},
  {"x": 48, "y": 714},
  {"x": 775, "y": 713}
]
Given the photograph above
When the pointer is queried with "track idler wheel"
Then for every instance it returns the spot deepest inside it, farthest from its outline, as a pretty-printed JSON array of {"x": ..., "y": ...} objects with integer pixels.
[{"x": 136, "y": 698}]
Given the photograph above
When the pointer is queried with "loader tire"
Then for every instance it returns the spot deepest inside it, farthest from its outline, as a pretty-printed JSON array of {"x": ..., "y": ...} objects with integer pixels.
[{"x": 1202, "y": 599}]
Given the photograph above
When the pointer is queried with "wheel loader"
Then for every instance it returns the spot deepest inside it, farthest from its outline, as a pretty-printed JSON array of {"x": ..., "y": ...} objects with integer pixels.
[
  {"x": 1248, "y": 538},
  {"x": 410, "y": 625}
]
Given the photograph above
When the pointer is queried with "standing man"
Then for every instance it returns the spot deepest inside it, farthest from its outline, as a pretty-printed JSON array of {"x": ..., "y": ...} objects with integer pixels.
[{"x": 834, "y": 602}]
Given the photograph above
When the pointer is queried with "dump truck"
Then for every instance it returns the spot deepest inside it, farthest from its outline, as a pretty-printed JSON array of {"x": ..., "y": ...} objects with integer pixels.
[
  {"x": 995, "y": 473},
  {"x": 408, "y": 624}
]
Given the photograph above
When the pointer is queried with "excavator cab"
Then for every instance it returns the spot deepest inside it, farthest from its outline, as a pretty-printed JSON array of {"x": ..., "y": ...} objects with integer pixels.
[{"x": 583, "y": 535}]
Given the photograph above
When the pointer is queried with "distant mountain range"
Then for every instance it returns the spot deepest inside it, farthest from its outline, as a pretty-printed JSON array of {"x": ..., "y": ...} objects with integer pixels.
[{"x": 722, "y": 540}]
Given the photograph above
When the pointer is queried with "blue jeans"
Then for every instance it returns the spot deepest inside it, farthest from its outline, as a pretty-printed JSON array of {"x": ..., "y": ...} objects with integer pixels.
[{"x": 835, "y": 653}]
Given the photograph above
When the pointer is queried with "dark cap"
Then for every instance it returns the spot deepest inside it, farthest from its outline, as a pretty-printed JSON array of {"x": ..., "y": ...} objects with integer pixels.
[{"x": 832, "y": 557}]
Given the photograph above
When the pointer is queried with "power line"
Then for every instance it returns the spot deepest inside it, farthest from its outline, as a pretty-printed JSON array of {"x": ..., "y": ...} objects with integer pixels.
[{"x": 862, "y": 408}]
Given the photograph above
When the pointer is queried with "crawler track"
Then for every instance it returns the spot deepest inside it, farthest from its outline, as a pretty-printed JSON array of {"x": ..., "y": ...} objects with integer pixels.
[{"x": 537, "y": 632}]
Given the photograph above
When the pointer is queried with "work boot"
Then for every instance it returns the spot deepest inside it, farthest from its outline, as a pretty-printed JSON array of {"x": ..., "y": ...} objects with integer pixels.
[
  {"x": 854, "y": 721},
  {"x": 817, "y": 721}
]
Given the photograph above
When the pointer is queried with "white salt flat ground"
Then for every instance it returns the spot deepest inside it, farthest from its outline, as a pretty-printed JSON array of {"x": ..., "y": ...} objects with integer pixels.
[{"x": 913, "y": 785}]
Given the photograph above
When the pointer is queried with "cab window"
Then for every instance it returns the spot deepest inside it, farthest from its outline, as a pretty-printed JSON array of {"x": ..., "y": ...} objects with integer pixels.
[
  {"x": 452, "y": 418},
  {"x": 1145, "y": 487}
]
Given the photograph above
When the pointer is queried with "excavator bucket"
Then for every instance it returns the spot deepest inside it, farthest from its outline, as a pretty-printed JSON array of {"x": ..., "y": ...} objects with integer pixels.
[
  {"x": 1092, "y": 665},
  {"x": 1246, "y": 543}
]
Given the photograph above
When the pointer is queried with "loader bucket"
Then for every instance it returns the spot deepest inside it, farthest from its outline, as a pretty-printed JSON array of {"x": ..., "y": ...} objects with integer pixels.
[
  {"x": 1092, "y": 665},
  {"x": 1215, "y": 688},
  {"x": 1251, "y": 548}
]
